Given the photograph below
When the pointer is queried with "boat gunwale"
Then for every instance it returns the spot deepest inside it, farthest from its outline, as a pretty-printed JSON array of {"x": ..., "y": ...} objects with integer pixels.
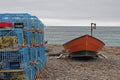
[{"x": 82, "y": 37}]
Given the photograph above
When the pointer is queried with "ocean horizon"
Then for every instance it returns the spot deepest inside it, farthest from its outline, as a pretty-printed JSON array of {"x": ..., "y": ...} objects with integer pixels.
[{"x": 110, "y": 35}]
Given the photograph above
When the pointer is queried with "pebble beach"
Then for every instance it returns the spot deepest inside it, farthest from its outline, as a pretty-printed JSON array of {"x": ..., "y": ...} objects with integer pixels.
[{"x": 64, "y": 68}]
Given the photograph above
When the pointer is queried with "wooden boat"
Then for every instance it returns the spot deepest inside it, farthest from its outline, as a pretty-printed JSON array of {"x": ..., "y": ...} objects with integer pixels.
[{"x": 83, "y": 46}]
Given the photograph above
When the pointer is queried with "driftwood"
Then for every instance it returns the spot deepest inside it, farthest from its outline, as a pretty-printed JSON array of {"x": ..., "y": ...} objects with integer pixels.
[
  {"x": 102, "y": 55},
  {"x": 57, "y": 54}
]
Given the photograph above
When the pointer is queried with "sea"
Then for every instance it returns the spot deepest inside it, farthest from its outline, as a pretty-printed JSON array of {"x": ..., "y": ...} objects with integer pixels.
[{"x": 110, "y": 35}]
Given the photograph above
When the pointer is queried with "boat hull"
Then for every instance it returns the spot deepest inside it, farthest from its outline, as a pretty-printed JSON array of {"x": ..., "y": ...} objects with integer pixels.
[
  {"x": 84, "y": 46},
  {"x": 83, "y": 53}
]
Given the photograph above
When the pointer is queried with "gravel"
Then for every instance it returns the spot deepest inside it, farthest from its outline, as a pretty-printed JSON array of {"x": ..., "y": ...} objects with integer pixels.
[{"x": 65, "y": 68}]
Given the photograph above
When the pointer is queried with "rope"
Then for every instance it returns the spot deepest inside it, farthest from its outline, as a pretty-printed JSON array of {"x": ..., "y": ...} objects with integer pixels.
[{"x": 8, "y": 41}]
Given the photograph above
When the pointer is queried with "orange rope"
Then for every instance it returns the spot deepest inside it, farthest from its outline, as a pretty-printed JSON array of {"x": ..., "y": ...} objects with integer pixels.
[{"x": 39, "y": 75}]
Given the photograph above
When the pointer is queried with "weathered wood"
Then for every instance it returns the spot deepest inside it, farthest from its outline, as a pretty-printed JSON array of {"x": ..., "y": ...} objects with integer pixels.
[
  {"x": 9, "y": 49},
  {"x": 17, "y": 70}
]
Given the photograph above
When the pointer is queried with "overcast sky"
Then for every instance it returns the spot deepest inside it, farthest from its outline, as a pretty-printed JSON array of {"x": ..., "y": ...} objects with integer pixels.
[{"x": 67, "y": 12}]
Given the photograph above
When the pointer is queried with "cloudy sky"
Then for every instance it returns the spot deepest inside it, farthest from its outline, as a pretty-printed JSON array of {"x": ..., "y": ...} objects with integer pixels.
[{"x": 67, "y": 12}]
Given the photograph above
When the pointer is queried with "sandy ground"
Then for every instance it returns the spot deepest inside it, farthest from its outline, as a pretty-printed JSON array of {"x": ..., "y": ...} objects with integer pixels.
[{"x": 65, "y": 68}]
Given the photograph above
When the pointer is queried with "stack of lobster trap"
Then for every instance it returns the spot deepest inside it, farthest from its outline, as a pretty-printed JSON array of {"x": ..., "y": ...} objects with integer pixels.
[{"x": 22, "y": 50}]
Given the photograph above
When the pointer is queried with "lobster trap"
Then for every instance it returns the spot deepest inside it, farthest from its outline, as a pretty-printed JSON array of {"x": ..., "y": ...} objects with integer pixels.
[{"x": 22, "y": 50}]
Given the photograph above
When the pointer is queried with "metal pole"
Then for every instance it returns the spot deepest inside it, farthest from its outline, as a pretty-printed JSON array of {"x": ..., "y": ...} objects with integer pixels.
[
  {"x": 93, "y": 26},
  {"x": 91, "y": 29}
]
